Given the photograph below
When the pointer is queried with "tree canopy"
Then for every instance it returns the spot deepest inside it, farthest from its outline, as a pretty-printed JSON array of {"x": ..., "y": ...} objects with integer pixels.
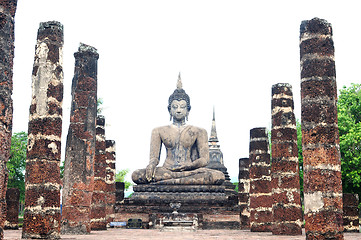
[
  {"x": 349, "y": 123},
  {"x": 16, "y": 163}
]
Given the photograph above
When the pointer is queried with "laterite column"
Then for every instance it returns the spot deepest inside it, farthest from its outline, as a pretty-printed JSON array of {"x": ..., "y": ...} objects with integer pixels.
[
  {"x": 110, "y": 179},
  {"x": 12, "y": 208},
  {"x": 320, "y": 137},
  {"x": 287, "y": 210},
  {"x": 98, "y": 221},
  {"x": 80, "y": 145},
  {"x": 260, "y": 192},
  {"x": 42, "y": 178},
  {"x": 243, "y": 191},
  {"x": 351, "y": 212},
  {"x": 7, "y": 13}
]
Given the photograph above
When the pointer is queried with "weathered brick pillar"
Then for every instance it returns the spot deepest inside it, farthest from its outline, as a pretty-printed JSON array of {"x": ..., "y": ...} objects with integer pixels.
[
  {"x": 7, "y": 13},
  {"x": 320, "y": 138},
  {"x": 12, "y": 208},
  {"x": 243, "y": 192},
  {"x": 98, "y": 214},
  {"x": 110, "y": 179},
  {"x": 80, "y": 145},
  {"x": 42, "y": 177},
  {"x": 260, "y": 192},
  {"x": 351, "y": 212},
  {"x": 119, "y": 192},
  {"x": 287, "y": 210}
]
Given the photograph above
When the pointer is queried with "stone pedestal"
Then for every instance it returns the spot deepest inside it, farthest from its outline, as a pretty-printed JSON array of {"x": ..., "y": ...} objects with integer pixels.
[
  {"x": 174, "y": 221},
  {"x": 209, "y": 201}
]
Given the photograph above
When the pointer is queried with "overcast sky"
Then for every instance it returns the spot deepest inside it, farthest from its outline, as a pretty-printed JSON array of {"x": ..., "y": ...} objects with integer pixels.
[{"x": 229, "y": 53}]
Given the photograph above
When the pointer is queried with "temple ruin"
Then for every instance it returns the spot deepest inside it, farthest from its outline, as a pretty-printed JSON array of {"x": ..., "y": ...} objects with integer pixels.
[
  {"x": 110, "y": 189},
  {"x": 243, "y": 192},
  {"x": 286, "y": 208},
  {"x": 98, "y": 205},
  {"x": 80, "y": 145},
  {"x": 7, "y": 12},
  {"x": 320, "y": 138},
  {"x": 260, "y": 192},
  {"x": 42, "y": 179}
]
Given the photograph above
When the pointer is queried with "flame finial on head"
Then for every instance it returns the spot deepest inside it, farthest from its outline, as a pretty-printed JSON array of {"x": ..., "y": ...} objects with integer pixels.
[{"x": 179, "y": 82}]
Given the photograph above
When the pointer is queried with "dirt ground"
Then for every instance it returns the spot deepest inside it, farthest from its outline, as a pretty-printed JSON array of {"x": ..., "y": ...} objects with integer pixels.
[{"x": 122, "y": 233}]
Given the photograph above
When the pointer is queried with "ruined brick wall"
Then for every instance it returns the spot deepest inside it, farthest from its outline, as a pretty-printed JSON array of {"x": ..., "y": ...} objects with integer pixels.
[
  {"x": 243, "y": 192},
  {"x": 98, "y": 213},
  {"x": 260, "y": 192},
  {"x": 7, "y": 13},
  {"x": 351, "y": 212},
  {"x": 119, "y": 192},
  {"x": 110, "y": 179},
  {"x": 287, "y": 210},
  {"x": 12, "y": 208},
  {"x": 80, "y": 146},
  {"x": 42, "y": 177},
  {"x": 320, "y": 137}
]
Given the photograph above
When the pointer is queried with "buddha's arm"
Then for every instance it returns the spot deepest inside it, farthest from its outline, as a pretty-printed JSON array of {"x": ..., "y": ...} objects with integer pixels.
[
  {"x": 203, "y": 150},
  {"x": 155, "y": 148}
]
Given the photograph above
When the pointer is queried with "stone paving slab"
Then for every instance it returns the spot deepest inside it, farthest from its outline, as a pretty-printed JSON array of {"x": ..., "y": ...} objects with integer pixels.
[{"x": 121, "y": 233}]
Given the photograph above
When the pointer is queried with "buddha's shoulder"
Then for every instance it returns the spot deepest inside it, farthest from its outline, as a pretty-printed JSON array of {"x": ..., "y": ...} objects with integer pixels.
[{"x": 171, "y": 127}]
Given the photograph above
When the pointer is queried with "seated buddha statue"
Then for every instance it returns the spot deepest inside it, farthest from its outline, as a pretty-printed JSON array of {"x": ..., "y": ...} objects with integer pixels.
[{"x": 187, "y": 151}]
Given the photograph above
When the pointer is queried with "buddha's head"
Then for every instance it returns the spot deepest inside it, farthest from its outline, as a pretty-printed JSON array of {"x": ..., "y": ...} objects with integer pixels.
[{"x": 179, "y": 102}]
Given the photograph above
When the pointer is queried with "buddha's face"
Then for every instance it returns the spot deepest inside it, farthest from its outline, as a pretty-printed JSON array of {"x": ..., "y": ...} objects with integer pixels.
[{"x": 179, "y": 110}]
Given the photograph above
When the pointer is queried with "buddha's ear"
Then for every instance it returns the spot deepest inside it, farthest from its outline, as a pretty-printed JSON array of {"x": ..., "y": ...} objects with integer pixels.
[
  {"x": 187, "y": 115},
  {"x": 170, "y": 114}
]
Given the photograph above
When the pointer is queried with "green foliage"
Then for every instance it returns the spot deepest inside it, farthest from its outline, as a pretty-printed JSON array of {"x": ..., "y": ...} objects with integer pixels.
[
  {"x": 349, "y": 123},
  {"x": 120, "y": 177},
  {"x": 236, "y": 186},
  {"x": 16, "y": 163},
  {"x": 300, "y": 156},
  {"x": 99, "y": 105}
]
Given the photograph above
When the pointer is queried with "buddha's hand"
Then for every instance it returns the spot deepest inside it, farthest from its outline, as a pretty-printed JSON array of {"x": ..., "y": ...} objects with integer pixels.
[
  {"x": 149, "y": 172},
  {"x": 184, "y": 167}
]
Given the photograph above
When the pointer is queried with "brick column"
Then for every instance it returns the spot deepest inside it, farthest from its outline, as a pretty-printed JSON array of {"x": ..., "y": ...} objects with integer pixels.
[
  {"x": 110, "y": 179},
  {"x": 42, "y": 177},
  {"x": 320, "y": 138},
  {"x": 351, "y": 212},
  {"x": 98, "y": 214},
  {"x": 287, "y": 210},
  {"x": 12, "y": 208},
  {"x": 7, "y": 13},
  {"x": 260, "y": 192},
  {"x": 119, "y": 192},
  {"x": 243, "y": 192},
  {"x": 80, "y": 145}
]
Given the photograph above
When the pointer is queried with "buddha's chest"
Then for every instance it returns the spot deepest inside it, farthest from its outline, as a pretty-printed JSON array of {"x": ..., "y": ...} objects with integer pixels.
[{"x": 176, "y": 138}]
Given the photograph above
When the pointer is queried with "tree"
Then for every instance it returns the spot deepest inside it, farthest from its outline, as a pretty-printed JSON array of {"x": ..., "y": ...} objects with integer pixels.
[
  {"x": 120, "y": 177},
  {"x": 349, "y": 123},
  {"x": 16, "y": 163}
]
